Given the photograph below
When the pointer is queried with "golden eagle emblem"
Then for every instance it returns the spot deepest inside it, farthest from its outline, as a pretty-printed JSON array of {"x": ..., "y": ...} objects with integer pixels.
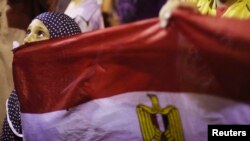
[{"x": 159, "y": 124}]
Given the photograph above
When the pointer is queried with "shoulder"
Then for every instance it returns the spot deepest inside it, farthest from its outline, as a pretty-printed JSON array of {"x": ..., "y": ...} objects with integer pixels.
[{"x": 13, "y": 113}]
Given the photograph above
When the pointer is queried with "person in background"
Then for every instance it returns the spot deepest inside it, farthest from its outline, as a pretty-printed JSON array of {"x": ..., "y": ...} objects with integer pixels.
[
  {"x": 135, "y": 10},
  {"x": 86, "y": 13},
  {"x": 117, "y": 12},
  {"x": 222, "y": 8},
  {"x": 109, "y": 13},
  {"x": 45, "y": 26}
]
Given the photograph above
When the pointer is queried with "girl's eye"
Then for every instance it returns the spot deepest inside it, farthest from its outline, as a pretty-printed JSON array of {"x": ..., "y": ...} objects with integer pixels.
[
  {"x": 40, "y": 33},
  {"x": 28, "y": 32}
]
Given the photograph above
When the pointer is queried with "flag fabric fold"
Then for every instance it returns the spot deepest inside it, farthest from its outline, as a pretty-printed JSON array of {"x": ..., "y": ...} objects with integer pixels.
[{"x": 135, "y": 81}]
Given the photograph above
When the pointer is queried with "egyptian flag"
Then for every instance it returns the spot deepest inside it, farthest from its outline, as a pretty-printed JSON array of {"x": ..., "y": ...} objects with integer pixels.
[{"x": 136, "y": 82}]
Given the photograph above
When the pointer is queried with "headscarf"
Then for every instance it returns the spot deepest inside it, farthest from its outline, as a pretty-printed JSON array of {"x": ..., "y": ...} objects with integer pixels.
[{"x": 59, "y": 24}]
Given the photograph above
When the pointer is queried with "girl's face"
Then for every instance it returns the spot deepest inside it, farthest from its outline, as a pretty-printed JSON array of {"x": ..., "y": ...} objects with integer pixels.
[{"x": 36, "y": 31}]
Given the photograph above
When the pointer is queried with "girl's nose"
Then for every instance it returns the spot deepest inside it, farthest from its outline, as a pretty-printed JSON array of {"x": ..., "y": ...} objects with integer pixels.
[{"x": 29, "y": 38}]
